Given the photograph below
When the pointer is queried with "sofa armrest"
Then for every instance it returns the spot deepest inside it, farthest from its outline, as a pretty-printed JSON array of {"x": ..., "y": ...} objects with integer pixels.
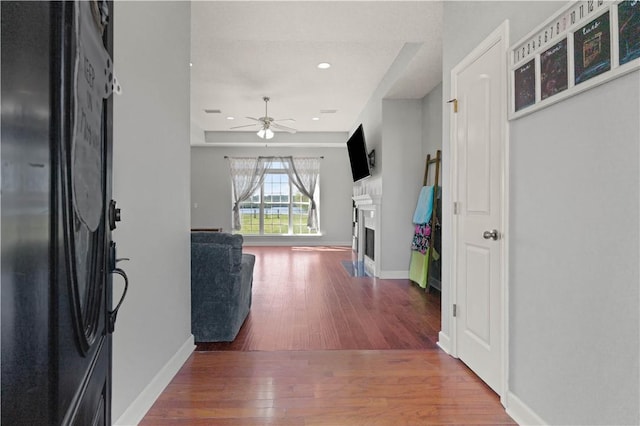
[
  {"x": 232, "y": 242},
  {"x": 221, "y": 286},
  {"x": 246, "y": 277}
]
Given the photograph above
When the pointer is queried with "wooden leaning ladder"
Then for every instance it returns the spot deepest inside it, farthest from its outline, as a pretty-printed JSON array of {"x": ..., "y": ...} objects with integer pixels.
[{"x": 434, "y": 217}]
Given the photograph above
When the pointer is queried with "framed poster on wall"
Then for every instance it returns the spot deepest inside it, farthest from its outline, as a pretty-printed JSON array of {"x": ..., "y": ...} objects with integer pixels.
[
  {"x": 583, "y": 45},
  {"x": 554, "y": 77},
  {"x": 525, "y": 85},
  {"x": 629, "y": 31},
  {"x": 591, "y": 48}
]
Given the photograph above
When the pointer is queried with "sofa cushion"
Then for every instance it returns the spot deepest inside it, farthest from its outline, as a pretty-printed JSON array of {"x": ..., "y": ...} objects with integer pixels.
[{"x": 205, "y": 257}]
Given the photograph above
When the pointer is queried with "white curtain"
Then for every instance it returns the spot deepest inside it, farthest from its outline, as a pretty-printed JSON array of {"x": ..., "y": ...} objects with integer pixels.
[
  {"x": 247, "y": 175},
  {"x": 304, "y": 173}
]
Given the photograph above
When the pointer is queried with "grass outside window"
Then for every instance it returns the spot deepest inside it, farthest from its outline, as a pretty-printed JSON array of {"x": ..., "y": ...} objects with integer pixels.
[{"x": 275, "y": 224}]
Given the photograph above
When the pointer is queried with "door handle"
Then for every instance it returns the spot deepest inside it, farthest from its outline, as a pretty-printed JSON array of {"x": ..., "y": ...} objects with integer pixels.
[
  {"x": 490, "y": 235},
  {"x": 114, "y": 215},
  {"x": 114, "y": 313}
]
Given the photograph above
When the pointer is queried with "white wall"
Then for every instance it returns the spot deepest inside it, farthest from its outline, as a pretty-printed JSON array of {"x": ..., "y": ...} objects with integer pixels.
[
  {"x": 574, "y": 208},
  {"x": 211, "y": 188},
  {"x": 371, "y": 116},
  {"x": 151, "y": 185},
  {"x": 394, "y": 128},
  {"x": 432, "y": 122},
  {"x": 401, "y": 183},
  {"x": 575, "y": 261}
]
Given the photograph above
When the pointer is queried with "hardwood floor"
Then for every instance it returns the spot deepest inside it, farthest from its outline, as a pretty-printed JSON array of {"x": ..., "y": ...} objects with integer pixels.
[
  {"x": 321, "y": 347},
  {"x": 392, "y": 387},
  {"x": 304, "y": 299}
]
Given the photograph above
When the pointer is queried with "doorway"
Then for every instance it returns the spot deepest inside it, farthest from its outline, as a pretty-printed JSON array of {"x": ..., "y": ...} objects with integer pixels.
[{"x": 479, "y": 155}]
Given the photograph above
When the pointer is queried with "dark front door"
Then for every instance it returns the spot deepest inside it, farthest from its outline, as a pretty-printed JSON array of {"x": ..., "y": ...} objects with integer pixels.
[{"x": 57, "y": 254}]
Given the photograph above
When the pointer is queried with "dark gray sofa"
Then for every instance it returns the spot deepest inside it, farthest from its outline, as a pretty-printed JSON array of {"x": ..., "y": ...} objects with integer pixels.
[{"x": 221, "y": 281}]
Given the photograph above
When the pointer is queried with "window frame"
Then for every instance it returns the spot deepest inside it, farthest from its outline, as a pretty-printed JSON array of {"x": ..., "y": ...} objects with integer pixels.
[{"x": 291, "y": 227}]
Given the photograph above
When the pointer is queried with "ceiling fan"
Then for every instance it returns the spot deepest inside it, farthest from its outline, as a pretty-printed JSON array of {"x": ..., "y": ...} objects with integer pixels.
[{"x": 267, "y": 123}]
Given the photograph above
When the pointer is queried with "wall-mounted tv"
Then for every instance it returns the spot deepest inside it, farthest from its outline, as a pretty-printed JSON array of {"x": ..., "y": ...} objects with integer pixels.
[{"x": 358, "y": 155}]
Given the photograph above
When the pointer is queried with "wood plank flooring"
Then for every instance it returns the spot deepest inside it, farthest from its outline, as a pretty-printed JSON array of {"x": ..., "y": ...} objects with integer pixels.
[
  {"x": 304, "y": 299},
  {"x": 321, "y": 347},
  {"x": 392, "y": 387}
]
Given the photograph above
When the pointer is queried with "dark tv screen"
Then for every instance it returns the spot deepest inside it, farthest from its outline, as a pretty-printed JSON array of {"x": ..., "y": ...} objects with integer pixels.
[{"x": 358, "y": 155}]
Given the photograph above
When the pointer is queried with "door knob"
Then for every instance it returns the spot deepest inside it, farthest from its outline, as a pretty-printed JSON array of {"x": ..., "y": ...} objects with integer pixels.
[
  {"x": 490, "y": 235},
  {"x": 114, "y": 215}
]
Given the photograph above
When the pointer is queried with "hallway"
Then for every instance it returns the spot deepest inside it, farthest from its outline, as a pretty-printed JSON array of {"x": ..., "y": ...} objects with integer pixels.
[{"x": 321, "y": 347}]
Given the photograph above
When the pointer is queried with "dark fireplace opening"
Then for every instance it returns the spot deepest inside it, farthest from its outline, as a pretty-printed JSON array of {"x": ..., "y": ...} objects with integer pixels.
[{"x": 369, "y": 235}]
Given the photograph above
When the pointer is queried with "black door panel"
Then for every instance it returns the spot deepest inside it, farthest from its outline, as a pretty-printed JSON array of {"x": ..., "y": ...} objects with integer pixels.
[{"x": 56, "y": 281}]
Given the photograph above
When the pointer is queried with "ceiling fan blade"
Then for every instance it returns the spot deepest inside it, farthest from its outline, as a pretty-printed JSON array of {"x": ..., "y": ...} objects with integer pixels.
[
  {"x": 285, "y": 119},
  {"x": 254, "y": 119},
  {"x": 281, "y": 127},
  {"x": 246, "y": 125}
]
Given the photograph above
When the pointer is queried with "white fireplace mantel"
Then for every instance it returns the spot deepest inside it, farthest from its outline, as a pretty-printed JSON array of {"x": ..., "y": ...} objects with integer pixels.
[
  {"x": 368, "y": 206},
  {"x": 367, "y": 201}
]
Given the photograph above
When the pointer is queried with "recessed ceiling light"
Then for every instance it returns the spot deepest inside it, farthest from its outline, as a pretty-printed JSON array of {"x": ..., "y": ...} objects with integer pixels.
[
  {"x": 190, "y": 64},
  {"x": 315, "y": 118},
  {"x": 231, "y": 118},
  {"x": 324, "y": 65}
]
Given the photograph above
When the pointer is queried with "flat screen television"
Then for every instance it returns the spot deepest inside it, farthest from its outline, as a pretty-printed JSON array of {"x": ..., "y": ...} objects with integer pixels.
[{"x": 358, "y": 155}]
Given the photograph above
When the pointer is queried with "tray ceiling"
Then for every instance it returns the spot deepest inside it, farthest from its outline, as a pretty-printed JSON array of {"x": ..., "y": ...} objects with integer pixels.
[{"x": 244, "y": 50}]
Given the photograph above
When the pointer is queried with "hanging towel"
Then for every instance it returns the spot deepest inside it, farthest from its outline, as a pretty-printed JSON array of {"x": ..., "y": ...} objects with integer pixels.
[
  {"x": 419, "y": 268},
  {"x": 425, "y": 205},
  {"x": 421, "y": 238}
]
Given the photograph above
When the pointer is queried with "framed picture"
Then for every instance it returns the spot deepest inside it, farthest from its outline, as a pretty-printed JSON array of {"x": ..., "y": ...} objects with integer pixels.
[
  {"x": 553, "y": 70},
  {"x": 629, "y": 31},
  {"x": 525, "y": 85},
  {"x": 584, "y": 44},
  {"x": 592, "y": 49}
]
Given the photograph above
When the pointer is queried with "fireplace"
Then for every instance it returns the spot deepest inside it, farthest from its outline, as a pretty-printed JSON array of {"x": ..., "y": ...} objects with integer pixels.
[
  {"x": 368, "y": 223},
  {"x": 369, "y": 243}
]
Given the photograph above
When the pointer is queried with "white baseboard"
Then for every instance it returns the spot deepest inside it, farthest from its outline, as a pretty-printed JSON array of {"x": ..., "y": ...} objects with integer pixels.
[
  {"x": 291, "y": 242},
  {"x": 521, "y": 413},
  {"x": 139, "y": 407},
  {"x": 394, "y": 275},
  {"x": 444, "y": 342}
]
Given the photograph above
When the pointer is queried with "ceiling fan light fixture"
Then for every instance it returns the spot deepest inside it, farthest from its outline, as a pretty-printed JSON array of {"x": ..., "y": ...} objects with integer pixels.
[
  {"x": 266, "y": 123},
  {"x": 268, "y": 134},
  {"x": 265, "y": 133}
]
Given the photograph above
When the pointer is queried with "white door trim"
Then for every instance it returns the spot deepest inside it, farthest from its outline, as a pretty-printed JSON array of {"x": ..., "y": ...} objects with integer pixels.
[{"x": 500, "y": 33}]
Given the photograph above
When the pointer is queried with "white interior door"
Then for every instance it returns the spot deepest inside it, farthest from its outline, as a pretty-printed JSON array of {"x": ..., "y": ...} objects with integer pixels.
[{"x": 479, "y": 127}]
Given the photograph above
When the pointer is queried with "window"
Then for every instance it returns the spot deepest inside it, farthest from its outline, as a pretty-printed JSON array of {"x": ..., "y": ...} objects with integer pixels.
[{"x": 277, "y": 207}]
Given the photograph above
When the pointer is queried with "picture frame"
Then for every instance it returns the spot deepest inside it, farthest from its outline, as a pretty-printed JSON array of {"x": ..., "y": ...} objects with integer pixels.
[
  {"x": 525, "y": 85},
  {"x": 628, "y": 31},
  {"x": 592, "y": 49},
  {"x": 554, "y": 75},
  {"x": 583, "y": 45},
  {"x": 372, "y": 158}
]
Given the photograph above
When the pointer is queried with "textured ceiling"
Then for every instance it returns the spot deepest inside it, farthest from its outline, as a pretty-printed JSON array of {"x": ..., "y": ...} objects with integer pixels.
[{"x": 244, "y": 50}]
